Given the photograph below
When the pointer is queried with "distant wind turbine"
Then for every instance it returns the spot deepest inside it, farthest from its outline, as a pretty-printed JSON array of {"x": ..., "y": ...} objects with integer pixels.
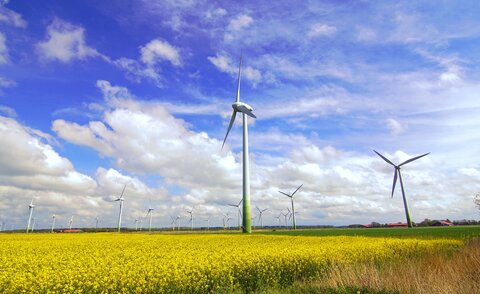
[
  {"x": 53, "y": 224},
  {"x": 120, "y": 200},
  {"x": 136, "y": 224},
  {"x": 30, "y": 211},
  {"x": 173, "y": 222},
  {"x": 70, "y": 223},
  {"x": 33, "y": 225},
  {"x": 191, "y": 217},
  {"x": 208, "y": 223},
  {"x": 246, "y": 110},
  {"x": 260, "y": 215},
  {"x": 239, "y": 211},
  {"x": 278, "y": 218},
  {"x": 149, "y": 213},
  {"x": 399, "y": 175},
  {"x": 285, "y": 215},
  {"x": 96, "y": 223},
  {"x": 294, "y": 224}
]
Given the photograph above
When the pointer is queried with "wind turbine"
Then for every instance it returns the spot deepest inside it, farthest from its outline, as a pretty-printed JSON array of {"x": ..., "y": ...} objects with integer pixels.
[
  {"x": 120, "y": 200},
  {"x": 191, "y": 217},
  {"x": 285, "y": 215},
  {"x": 33, "y": 225},
  {"x": 136, "y": 224},
  {"x": 96, "y": 223},
  {"x": 173, "y": 222},
  {"x": 53, "y": 224},
  {"x": 239, "y": 213},
  {"x": 70, "y": 223},
  {"x": 246, "y": 110},
  {"x": 149, "y": 213},
  {"x": 260, "y": 215},
  {"x": 399, "y": 175},
  {"x": 208, "y": 223},
  {"x": 30, "y": 210},
  {"x": 294, "y": 224},
  {"x": 278, "y": 218}
]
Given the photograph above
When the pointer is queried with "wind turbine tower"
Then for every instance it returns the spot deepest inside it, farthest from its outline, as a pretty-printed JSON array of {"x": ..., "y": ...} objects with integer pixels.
[
  {"x": 191, "y": 217},
  {"x": 398, "y": 174},
  {"x": 294, "y": 223},
  {"x": 246, "y": 110},
  {"x": 149, "y": 213},
  {"x": 53, "y": 224},
  {"x": 120, "y": 200},
  {"x": 30, "y": 210},
  {"x": 70, "y": 223},
  {"x": 239, "y": 212},
  {"x": 260, "y": 215}
]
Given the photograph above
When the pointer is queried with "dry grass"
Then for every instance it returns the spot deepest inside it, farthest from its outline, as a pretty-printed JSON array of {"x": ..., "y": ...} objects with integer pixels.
[{"x": 457, "y": 273}]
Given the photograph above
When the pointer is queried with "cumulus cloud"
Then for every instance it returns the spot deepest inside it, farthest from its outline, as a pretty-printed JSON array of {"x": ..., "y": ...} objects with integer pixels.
[
  {"x": 395, "y": 126},
  {"x": 321, "y": 30},
  {"x": 156, "y": 50},
  {"x": 150, "y": 61},
  {"x": 225, "y": 64},
  {"x": 65, "y": 42},
  {"x": 10, "y": 17},
  {"x": 236, "y": 26}
]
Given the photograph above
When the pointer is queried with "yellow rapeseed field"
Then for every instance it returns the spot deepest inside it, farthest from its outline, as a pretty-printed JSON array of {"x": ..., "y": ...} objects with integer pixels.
[{"x": 158, "y": 263}]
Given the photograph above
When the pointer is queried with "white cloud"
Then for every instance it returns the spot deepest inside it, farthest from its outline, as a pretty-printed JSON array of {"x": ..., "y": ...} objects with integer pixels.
[
  {"x": 225, "y": 64},
  {"x": 157, "y": 50},
  {"x": 10, "y": 17},
  {"x": 3, "y": 49},
  {"x": 65, "y": 42},
  {"x": 6, "y": 83},
  {"x": 215, "y": 13},
  {"x": 321, "y": 30},
  {"x": 395, "y": 126},
  {"x": 8, "y": 111},
  {"x": 237, "y": 26},
  {"x": 240, "y": 22}
]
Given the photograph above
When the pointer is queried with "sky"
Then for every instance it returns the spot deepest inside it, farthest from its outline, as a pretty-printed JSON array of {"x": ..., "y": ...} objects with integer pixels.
[{"x": 95, "y": 95}]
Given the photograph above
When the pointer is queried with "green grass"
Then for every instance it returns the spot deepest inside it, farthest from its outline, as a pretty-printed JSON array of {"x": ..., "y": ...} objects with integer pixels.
[{"x": 457, "y": 232}]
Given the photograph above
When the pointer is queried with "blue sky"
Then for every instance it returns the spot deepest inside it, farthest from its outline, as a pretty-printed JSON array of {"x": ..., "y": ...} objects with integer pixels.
[{"x": 96, "y": 95}]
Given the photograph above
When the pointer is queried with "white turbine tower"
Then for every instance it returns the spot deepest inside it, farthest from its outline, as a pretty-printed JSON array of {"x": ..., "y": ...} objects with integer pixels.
[
  {"x": 136, "y": 224},
  {"x": 208, "y": 223},
  {"x": 239, "y": 212},
  {"x": 173, "y": 222},
  {"x": 30, "y": 211},
  {"x": 53, "y": 224},
  {"x": 399, "y": 174},
  {"x": 70, "y": 223},
  {"x": 33, "y": 225},
  {"x": 149, "y": 214},
  {"x": 191, "y": 217},
  {"x": 260, "y": 215},
  {"x": 120, "y": 200},
  {"x": 294, "y": 223},
  {"x": 246, "y": 110},
  {"x": 96, "y": 223}
]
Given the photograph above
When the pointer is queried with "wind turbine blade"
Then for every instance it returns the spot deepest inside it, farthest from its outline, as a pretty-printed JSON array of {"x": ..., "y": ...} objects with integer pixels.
[
  {"x": 234, "y": 205},
  {"x": 258, "y": 209},
  {"x": 285, "y": 194},
  {"x": 297, "y": 190},
  {"x": 384, "y": 158},
  {"x": 394, "y": 181},
  {"x": 412, "y": 159},
  {"x": 239, "y": 77},
  {"x": 240, "y": 202},
  {"x": 123, "y": 191},
  {"x": 232, "y": 120}
]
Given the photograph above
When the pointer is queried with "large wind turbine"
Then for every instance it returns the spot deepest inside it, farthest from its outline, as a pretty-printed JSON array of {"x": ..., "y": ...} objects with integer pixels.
[
  {"x": 149, "y": 213},
  {"x": 30, "y": 210},
  {"x": 246, "y": 110},
  {"x": 120, "y": 199},
  {"x": 239, "y": 213},
  {"x": 260, "y": 215},
  {"x": 399, "y": 175},
  {"x": 294, "y": 224}
]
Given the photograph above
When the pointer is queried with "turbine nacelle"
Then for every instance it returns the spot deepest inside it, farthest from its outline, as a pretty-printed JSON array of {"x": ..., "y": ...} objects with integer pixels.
[{"x": 244, "y": 108}]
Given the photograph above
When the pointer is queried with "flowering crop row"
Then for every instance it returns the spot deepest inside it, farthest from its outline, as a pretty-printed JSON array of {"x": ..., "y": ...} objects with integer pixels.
[{"x": 156, "y": 263}]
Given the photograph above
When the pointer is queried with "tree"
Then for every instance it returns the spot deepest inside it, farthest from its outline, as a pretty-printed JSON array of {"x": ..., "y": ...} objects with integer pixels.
[{"x": 476, "y": 200}]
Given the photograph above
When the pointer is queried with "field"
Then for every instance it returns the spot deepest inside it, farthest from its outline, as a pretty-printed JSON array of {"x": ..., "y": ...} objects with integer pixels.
[{"x": 199, "y": 263}]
